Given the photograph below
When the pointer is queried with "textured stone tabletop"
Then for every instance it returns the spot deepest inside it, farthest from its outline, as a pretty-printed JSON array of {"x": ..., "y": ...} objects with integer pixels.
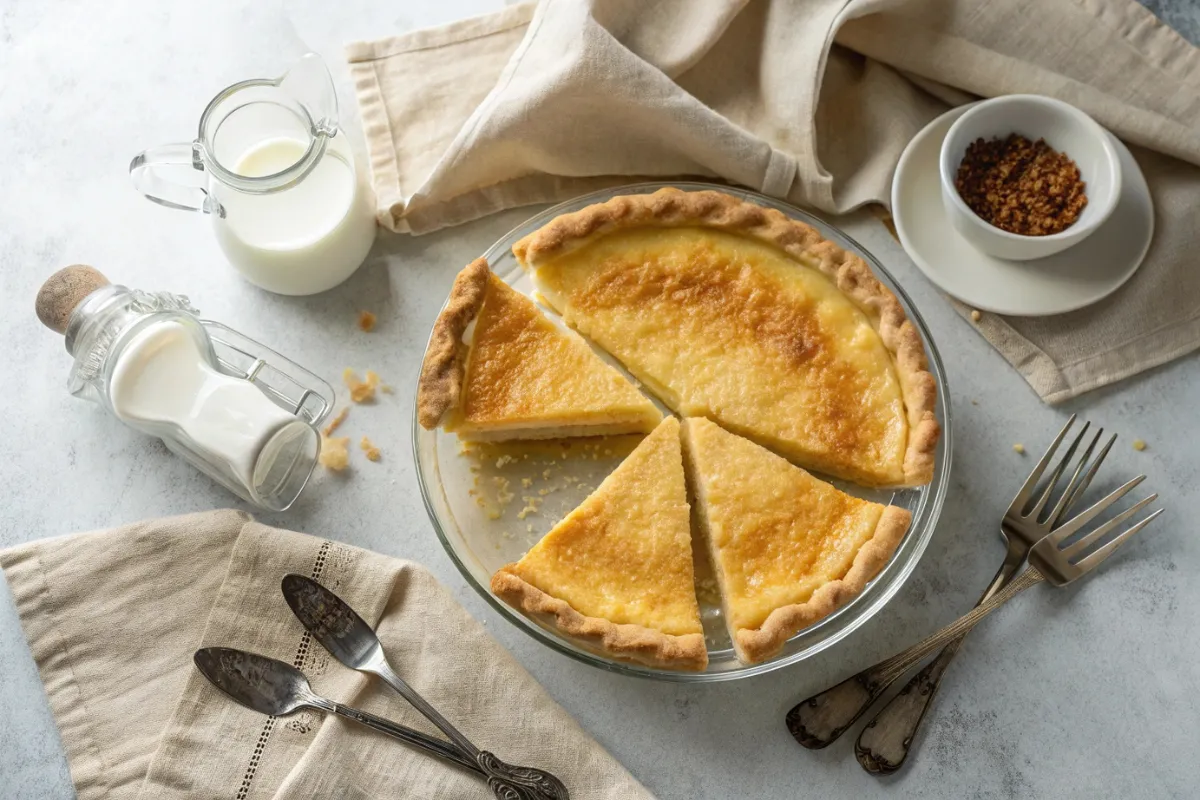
[{"x": 1085, "y": 692}]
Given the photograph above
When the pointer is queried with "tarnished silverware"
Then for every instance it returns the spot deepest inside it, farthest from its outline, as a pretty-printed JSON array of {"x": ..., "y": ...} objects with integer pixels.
[
  {"x": 276, "y": 688},
  {"x": 884, "y": 742},
  {"x": 819, "y": 720},
  {"x": 350, "y": 640}
]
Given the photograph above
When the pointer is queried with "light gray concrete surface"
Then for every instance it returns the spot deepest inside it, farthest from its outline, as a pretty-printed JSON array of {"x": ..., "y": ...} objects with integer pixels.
[{"x": 1086, "y": 692}]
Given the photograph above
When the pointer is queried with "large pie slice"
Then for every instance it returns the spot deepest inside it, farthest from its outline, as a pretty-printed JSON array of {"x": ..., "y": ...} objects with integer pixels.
[
  {"x": 616, "y": 575},
  {"x": 497, "y": 368},
  {"x": 787, "y": 549},
  {"x": 736, "y": 312}
]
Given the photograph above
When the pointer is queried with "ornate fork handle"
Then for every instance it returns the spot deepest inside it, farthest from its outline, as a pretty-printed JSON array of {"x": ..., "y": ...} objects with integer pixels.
[
  {"x": 510, "y": 782},
  {"x": 822, "y": 718}
]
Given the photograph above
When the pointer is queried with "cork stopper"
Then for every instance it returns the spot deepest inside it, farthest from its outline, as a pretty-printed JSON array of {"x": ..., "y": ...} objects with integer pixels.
[{"x": 64, "y": 291}]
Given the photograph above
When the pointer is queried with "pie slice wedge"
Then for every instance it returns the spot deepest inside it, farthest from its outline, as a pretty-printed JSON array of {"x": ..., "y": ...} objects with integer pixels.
[
  {"x": 787, "y": 549},
  {"x": 518, "y": 375},
  {"x": 732, "y": 311},
  {"x": 616, "y": 575}
]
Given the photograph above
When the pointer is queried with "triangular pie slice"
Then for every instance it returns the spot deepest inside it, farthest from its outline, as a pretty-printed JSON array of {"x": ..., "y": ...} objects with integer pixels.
[
  {"x": 616, "y": 575},
  {"x": 496, "y": 368},
  {"x": 787, "y": 549},
  {"x": 732, "y": 311}
]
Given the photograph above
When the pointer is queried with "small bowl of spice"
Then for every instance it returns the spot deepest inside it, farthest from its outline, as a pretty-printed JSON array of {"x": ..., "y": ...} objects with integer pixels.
[{"x": 1025, "y": 176}]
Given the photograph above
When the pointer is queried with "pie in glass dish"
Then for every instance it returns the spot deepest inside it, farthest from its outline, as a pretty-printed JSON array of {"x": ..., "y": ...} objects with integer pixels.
[
  {"x": 616, "y": 576},
  {"x": 735, "y": 312},
  {"x": 787, "y": 549},
  {"x": 497, "y": 369}
]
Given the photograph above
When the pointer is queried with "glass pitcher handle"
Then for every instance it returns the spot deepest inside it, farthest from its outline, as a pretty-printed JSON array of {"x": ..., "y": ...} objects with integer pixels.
[{"x": 172, "y": 175}]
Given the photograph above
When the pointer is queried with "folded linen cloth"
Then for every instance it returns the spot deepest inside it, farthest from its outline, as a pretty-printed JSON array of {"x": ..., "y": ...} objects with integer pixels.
[
  {"x": 114, "y": 617},
  {"x": 810, "y": 101}
]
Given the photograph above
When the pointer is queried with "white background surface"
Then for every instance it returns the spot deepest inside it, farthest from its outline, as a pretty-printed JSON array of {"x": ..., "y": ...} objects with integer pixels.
[{"x": 1090, "y": 691}]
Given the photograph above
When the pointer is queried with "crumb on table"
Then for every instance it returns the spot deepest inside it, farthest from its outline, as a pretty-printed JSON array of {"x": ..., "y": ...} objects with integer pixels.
[
  {"x": 334, "y": 453},
  {"x": 976, "y": 315},
  {"x": 1019, "y": 449},
  {"x": 337, "y": 420},
  {"x": 360, "y": 391},
  {"x": 1139, "y": 445},
  {"x": 366, "y": 321},
  {"x": 371, "y": 450}
]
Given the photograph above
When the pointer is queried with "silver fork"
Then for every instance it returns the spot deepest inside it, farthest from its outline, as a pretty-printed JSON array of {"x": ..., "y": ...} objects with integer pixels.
[{"x": 821, "y": 719}]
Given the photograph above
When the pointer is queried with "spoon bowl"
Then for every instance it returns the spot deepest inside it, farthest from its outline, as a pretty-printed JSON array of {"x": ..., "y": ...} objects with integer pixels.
[{"x": 263, "y": 684}]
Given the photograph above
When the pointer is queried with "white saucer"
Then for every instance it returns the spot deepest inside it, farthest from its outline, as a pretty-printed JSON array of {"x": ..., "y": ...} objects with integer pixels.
[{"x": 1074, "y": 278}]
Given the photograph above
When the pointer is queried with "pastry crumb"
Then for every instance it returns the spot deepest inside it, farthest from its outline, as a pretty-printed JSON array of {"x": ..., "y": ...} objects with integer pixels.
[
  {"x": 974, "y": 402},
  {"x": 502, "y": 460},
  {"x": 1019, "y": 448},
  {"x": 531, "y": 506},
  {"x": 1139, "y": 445},
  {"x": 335, "y": 454},
  {"x": 361, "y": 391},
  {"x": 371, "y": 450},
  {"x": 526, "y": 483},
  {"x": 976, "y": 315},
  {"x": 337, "y": 420},
  {"x": 366, "y": 321},
  {"x": 504, "y": 496}
]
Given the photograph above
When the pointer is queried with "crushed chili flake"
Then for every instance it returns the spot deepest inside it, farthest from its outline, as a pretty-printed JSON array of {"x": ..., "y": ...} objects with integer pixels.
[{"x": 1021, "y": 186}]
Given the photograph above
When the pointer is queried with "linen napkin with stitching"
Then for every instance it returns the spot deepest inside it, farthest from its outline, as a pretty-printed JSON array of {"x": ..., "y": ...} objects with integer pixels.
[
  {"x": 812, "y": 101},
  {"x": 113, "y": 618}
]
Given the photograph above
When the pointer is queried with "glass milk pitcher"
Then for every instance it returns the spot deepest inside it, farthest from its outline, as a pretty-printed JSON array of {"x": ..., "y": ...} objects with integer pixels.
[{"x": 277, "y": 179}]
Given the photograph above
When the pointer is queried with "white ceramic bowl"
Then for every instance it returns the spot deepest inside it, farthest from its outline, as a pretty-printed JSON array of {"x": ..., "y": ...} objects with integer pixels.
[{"x": 1065, "y": 128}]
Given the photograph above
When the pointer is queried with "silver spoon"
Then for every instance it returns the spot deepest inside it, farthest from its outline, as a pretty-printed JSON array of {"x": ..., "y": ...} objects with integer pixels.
[
  {"x": 276, "y": 688},
  {"x": 350, "y": 639}
]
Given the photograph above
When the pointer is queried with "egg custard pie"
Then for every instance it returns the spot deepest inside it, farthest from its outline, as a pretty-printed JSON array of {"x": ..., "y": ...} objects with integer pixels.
[
  {"x": 497, "y": 368},
  {"x": 615, "y": 575},
  {"x": 787, "y": 549},
  {"x": 728, "y": 310}
]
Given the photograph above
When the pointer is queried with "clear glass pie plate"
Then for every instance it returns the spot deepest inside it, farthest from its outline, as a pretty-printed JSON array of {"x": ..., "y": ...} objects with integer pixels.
[{"x": 489, "y": 504}]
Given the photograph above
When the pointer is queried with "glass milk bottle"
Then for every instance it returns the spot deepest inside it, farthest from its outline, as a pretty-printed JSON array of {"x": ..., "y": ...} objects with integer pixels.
[
  {"x": 241, "y": 413},
  {"x": 277, "y": 179}
]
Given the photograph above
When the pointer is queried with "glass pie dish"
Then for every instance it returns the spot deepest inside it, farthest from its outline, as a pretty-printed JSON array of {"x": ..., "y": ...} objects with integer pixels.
[{"x": 490, "y": 503}]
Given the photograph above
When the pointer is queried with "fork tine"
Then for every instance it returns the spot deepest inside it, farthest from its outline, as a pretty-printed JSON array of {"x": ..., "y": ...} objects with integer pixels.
[
  {"x": 1108, "y": 527},
  {"x": 1091, "y": 473},
  {"x": 1036, "y": 512},
  {"x": 1018, "y": 503},
  {"x": 1094, "y": 560},
  {"x": 1071, "y": 492},
  {"x": 1076, "y": 523}
]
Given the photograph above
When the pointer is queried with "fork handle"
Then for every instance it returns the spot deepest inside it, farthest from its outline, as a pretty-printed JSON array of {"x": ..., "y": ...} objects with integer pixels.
[
  {"x": 884, "y": 742},
  {"x": 818, "y": 721}
]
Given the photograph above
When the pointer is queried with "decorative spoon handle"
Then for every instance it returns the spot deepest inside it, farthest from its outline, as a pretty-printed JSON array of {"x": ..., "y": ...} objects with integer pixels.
[
  {"x": 429, "y": 744},
  {"x": 507, "y": 781}
]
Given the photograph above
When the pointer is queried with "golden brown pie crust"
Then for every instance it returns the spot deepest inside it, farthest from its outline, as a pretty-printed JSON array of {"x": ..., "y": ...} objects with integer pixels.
[
  {"x": 446, "y": 357},
  {"x": 629, "y": 642},
  {"x": 781, "y": 624},
  {"x": 675, "y": 208}
]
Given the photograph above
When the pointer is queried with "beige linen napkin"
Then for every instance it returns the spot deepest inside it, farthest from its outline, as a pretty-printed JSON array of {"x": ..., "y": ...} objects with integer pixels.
[
  {"x": 809, "y": 101},
  {"x": 114, "y": 617}
]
